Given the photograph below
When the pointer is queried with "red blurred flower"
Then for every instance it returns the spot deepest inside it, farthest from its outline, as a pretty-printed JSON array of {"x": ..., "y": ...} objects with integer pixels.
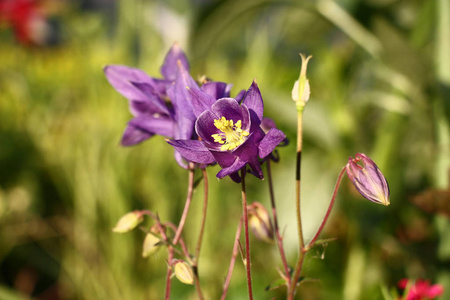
[
  {"x": 26, "y": 19},
  {"x": 420, "y": 289}
]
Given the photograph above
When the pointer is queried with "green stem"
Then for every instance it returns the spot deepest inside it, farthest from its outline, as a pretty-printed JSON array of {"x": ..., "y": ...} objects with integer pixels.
[{"x": 301, "y": 243}]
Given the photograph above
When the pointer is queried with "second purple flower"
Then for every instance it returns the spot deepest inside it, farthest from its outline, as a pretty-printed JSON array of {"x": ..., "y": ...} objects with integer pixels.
[{"x": 230, "y": 134}]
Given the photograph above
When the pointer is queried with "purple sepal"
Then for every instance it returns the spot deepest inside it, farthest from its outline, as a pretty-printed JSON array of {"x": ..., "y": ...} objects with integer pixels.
[
  {"x": 201, "y": 101},
  {"x": 217, "y": 89},
  {"x": 193, "y": 150},
  {"x": 169, "y": 67},
  {"x": 253, "y": 100},
  {"x": 270, "y": 141},
  {"x": 161, "y": 125},
  {"x": 133, "y": 136}
]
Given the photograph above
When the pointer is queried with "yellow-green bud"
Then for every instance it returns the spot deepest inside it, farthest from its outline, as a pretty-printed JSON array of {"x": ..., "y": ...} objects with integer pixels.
[
  {"x": 301, "y": 90},
  {"x": 128, "y": 222},
  {"x": 151, "y": 245},
  {"x": 259, "y": 222},
  {"x": 184, "y": 272}
]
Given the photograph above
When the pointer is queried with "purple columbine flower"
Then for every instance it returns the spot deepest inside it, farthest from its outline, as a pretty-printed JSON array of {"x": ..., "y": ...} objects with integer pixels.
[
  {"x": 161, "y": 106},
  {"x": 229, "y": 133},
  {"x": 368, "y": 179}
]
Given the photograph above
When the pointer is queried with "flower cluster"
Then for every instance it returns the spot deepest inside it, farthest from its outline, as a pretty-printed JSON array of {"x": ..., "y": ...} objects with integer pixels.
[
  {"x": 206, "y": 126},
  {"x": 202, "y": 123}
]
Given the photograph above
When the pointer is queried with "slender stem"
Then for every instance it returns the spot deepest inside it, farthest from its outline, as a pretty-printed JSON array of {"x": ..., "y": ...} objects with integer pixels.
[
  {"x": 247, "y": 240},
  {"x": 204, "y": 211},
  {"x": 197, "y": 283},
  {"x": 298, "y": 268},
  {"x": 330, "y": 207},
  {"x": 200, "y": 236},
  {"x": 187, "y": 204},
  {"x": 184, "y": 249},
  {"x": 170, "y": 250},
  {"x": 169, "y": 273},
  {"x": 275, "y": 224},
  {"x": 233, "y": 260}
]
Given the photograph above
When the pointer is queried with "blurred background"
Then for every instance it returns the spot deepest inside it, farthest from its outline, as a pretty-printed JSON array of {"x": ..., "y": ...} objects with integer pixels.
[{"x": 380, "y": 79}]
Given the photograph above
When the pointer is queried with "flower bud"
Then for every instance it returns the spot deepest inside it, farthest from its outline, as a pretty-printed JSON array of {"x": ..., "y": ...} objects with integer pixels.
[
  {"x": 128, "y": 222},
  {"x": 301, "y": 91},
  {"x": 184, "y": 272},
  {"x": 259, "y": 221},
  {"x": 368, "y": 179},
  {"x": 151, "y": 245}
]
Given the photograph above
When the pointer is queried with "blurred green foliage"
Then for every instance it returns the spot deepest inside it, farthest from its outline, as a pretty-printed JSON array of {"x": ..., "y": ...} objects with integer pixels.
[{"x": 380, "y": 85}]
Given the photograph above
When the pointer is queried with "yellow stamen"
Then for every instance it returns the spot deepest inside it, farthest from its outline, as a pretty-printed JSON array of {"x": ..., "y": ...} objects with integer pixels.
[{"x": 232, "y": 134}]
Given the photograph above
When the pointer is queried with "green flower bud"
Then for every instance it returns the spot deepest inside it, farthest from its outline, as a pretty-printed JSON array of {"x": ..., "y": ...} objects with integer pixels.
[
  {"x": 184, "y": 272},
  {"x": 301, "y": 90},
  {"x": 128, "y": 222},
  {"x": 151, "y": 245}
]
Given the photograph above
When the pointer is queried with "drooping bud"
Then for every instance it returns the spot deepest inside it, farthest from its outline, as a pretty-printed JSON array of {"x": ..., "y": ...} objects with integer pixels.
[
  {"x": 301, "y": 90},
  {"x": 259, "y": 222},
  {"x": 128, "y": 222},
  {"x": 368, "y": 179},
  {"x": 151, "y": 245},
  {"x": 184, "y": 272}
]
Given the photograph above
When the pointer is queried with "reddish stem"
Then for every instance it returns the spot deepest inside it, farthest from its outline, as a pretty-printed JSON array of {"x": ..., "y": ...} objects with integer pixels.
[
  {"x": 275, "y": 224},
  {"x": 205, "y": 209},
  {"x": 330, "y": 207},
  {"x": 181, "y": 242},
  {"x": 233, "y": 260},
  {"x": 200, "y": 236},
  {"x": 170, "y": 250},
  {"x": 247, "y": 239},
  {"x": 186, "y": 205}
]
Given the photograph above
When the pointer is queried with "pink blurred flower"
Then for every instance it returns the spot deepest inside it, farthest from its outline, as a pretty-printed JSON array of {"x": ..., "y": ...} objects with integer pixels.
[{"x": 421, "y": 289}]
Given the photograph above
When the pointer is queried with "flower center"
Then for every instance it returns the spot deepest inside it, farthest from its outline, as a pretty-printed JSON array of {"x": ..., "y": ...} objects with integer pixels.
[{"x": 231, "y": 136}]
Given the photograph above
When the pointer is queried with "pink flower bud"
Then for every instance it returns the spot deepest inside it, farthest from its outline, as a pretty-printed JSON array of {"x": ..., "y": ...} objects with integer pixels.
[{"x": 368, "y": 179}]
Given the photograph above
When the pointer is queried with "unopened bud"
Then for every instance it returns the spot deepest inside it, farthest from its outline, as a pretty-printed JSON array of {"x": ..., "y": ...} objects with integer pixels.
[
  {"x": 151, "y": 245},
  {"x": 184, "y": 272},
  {"x": 301, "y": 90},
  {"x": 128, "y": 222},
  {"x": 260, "y": 223},
  {"x": 368, "y": 179}
]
